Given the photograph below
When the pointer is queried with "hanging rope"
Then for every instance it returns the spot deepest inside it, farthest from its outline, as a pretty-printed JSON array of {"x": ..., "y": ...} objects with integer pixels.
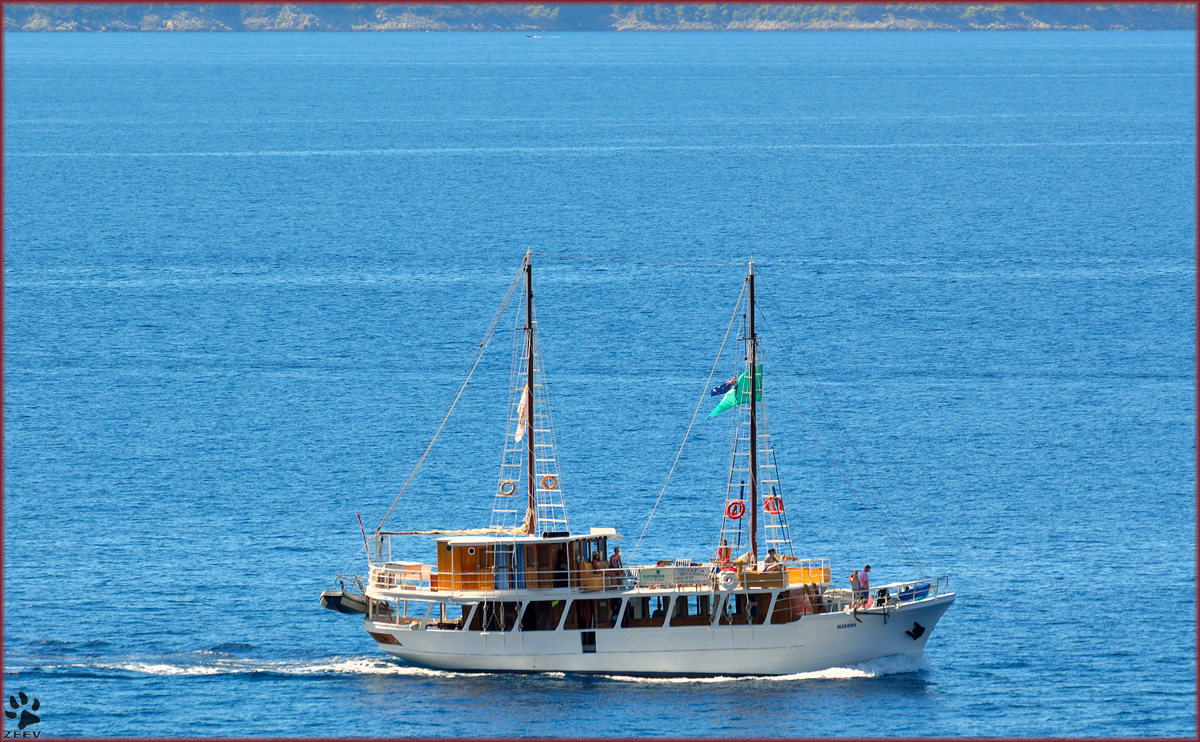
[
  {"x": 487, "y": 338},
  {"x": 692, "y": 423}
]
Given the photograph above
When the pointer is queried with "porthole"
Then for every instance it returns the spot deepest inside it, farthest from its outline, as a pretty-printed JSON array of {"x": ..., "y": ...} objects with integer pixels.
[{"x": 471, "y": 551}]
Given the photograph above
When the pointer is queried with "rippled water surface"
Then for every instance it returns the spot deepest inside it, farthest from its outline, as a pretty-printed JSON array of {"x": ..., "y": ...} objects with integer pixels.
[{"x": 245, "y": 273}]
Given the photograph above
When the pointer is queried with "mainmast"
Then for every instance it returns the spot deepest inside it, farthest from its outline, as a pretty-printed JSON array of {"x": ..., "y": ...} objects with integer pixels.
[
  {"x": 752, "y": 347},
  {"x": 531, "y": 513}
]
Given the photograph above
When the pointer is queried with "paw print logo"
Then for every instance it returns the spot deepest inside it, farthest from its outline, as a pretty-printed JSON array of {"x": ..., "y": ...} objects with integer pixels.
[{"x": 27, "y": 716}]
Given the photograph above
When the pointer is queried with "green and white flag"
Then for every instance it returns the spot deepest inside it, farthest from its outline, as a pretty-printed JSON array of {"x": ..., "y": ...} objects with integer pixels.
[{"x": 740, "y": 394}]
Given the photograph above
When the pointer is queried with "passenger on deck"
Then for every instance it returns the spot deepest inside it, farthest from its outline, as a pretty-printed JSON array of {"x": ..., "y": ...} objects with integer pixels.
[
  {"x": 864, "y": 584},
  {"x": 614, "y": 562},
  {"x": 724, "y": 553},
  {"x": 772, "y": 561},
  {"x": 612, "y": 578},
  {"x": 855, "y": 588}
]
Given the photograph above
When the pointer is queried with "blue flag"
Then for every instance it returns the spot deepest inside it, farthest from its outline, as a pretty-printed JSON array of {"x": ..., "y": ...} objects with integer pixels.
[{"x": 721, "y": 389}]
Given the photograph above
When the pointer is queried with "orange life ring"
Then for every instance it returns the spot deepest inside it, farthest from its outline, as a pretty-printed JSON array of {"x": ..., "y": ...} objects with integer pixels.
[
  {"x": 735, "y": 510},
  {"x": 773, "y": 505},
  {"x": 549, "y": 482}
]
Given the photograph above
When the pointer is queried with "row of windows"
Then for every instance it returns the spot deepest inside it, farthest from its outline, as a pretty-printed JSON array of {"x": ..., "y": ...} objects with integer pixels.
[{"x": 581, "y": 614}]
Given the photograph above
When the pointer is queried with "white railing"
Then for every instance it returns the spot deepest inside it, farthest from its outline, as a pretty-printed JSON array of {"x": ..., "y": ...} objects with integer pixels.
[{"x": 414, "y": 577}]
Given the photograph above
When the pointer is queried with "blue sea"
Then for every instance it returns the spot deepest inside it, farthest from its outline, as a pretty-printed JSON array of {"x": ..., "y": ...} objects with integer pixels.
[{"x": 244, "y": 275}]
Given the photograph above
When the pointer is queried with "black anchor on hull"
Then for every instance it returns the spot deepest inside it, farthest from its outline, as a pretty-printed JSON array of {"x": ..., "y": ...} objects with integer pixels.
[{"x": 916, "y": 632}]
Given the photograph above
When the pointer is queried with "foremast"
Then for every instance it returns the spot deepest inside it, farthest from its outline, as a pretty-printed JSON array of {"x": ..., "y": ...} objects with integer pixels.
[
  {"x": 528, "y": 493},
  {"x": 530, "y": 523}
]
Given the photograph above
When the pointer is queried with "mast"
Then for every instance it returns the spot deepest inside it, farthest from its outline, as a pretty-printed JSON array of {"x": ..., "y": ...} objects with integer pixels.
[
  {"x": 752, "y": 353},
  {"x": 529, "y": 384}
]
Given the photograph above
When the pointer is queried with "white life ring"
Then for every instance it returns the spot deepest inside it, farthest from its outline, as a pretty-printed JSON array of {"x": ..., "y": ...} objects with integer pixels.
[{"x": 728, "y": 580}]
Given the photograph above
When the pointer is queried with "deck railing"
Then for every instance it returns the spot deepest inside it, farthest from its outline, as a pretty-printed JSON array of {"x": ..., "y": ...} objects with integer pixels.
[{"x": 676, "y": 576}]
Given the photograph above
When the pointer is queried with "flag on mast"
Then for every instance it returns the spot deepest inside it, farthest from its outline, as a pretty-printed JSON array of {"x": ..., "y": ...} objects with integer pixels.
[
  {"x": 526, "y": 403},
  {"x": 741, "y": 393},
  {"x": 722, "y": 388}
]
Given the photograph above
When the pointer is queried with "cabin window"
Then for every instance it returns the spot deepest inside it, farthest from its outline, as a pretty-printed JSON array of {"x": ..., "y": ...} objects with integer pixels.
[
  {"x": 692, "y": 610},
  {"x": 543, "y": 615},
  {"x": 644, "y": 612},
  {"x": 495, "y": 616},
  {"x": 581, "y": 615},
  {"x": 448, "y": 616},
  {"x": 607, "y": 612},
  {"x": 743, "y": 609}
]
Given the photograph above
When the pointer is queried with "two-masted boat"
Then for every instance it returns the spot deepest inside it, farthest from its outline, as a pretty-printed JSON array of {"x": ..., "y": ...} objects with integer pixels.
[{"x": 528, "y": 594}]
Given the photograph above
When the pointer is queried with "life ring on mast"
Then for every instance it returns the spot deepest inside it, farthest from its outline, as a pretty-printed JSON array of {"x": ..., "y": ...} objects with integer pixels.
[
  {"x": 508, "y": 487},
  {"x": 728, "y": 580},
  {"x": 549, "y": 482},
  {"x": 773, "y": 505},
  {"x": 735, "y": 510}
]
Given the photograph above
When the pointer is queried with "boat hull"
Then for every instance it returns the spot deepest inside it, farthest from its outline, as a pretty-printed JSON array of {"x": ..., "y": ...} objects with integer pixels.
[{"x": 814, "y": 643}]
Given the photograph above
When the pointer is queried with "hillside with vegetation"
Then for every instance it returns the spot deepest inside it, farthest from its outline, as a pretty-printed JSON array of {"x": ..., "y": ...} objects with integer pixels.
[{"x": 532, "y": 18}]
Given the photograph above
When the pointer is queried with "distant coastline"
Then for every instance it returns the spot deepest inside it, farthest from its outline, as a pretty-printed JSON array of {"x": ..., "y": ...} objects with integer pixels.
[{"x": 538, "y": 18}]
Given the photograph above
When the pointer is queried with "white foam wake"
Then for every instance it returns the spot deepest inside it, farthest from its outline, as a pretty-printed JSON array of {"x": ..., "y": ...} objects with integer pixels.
[{"x": 333, "y": 665}]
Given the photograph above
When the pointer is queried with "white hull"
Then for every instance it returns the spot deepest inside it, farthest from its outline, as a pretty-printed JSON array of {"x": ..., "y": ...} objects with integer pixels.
[{"x": 816, "y": 642}]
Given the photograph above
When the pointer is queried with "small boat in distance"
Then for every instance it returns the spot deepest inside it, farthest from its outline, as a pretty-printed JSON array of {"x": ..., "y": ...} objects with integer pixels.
[{"x": 528, "y": 594}]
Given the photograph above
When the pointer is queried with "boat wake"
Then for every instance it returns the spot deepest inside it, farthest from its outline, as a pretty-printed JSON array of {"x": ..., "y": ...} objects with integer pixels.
[{"x": 238, "y": 666}]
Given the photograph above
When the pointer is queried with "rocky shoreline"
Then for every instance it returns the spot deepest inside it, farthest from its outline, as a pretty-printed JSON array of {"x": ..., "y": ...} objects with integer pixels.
[{"x": 109, "y": 18}]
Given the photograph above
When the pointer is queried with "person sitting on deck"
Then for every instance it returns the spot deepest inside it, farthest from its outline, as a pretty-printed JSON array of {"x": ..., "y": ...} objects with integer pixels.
[
  {"x": 773, "y": 563},
  {"x": 613, "y": 575},
  {"x": 598, "y": 570},
  {"x": 614, "y": 562}
]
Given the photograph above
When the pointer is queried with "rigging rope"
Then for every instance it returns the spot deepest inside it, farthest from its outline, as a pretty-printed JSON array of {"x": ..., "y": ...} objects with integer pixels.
[
  {"x": 487, "y": 338},
  {"x": 693, "y": 422}
]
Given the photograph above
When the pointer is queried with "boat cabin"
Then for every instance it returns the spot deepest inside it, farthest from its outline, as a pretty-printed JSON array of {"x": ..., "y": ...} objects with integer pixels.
[{"x": 553, "y": 560}]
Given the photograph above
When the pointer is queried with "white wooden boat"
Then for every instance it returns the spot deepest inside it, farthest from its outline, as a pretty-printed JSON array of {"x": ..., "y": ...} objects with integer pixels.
[{"x": 527, "y": 594}]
